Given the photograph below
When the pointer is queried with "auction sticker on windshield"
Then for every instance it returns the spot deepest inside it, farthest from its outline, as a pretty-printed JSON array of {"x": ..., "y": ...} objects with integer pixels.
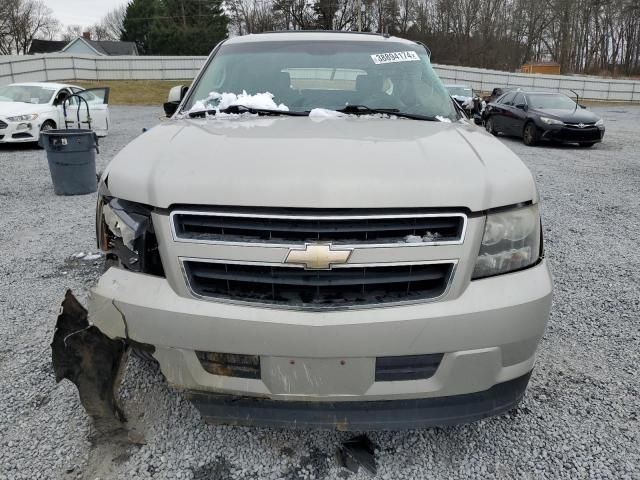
[{"x": 393, "y": 57}]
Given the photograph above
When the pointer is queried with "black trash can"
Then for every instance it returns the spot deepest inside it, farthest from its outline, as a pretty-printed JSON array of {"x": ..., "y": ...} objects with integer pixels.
[{"x": 72, "y": 160}]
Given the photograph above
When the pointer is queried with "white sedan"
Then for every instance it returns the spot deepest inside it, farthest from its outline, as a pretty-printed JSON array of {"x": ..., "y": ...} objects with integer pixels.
[{"x": 26, "y": 109}]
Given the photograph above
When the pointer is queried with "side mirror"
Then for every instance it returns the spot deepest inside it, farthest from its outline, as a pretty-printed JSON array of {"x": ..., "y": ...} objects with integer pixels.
[
  {"x": 583, "y": 106},
  {"x": 522, "y": 106},
  {"x": 176, "y": 94}
]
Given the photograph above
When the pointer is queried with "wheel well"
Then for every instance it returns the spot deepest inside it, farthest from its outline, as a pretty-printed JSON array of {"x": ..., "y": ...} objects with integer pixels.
[
  {"x": 48, "y": 120},
  {"x": 527, "y": 123}
]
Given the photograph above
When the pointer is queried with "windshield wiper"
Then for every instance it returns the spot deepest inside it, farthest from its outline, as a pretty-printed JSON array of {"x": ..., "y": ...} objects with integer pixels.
[
  {"x": 364, "y": 110},
  {"x": 244, "y": 109}
]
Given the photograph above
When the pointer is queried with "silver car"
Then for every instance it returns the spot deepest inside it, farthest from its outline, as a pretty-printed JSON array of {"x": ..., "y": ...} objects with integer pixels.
[{"x": 317, "y": 238}]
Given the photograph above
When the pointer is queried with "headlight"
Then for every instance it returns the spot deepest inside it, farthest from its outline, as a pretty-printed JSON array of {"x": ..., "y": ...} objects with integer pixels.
[
  {"x": 600, "y": 123},
  {"x": 551, "y": 121},
  {"x": 124, "y": 224},
  {"x": 511, "y": 241},
  {"x": 125, "y": 232},
  {"x": 23, "y": 118}
]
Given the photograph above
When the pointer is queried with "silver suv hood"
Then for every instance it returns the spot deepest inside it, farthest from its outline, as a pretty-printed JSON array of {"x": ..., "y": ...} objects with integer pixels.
[{"x": 331, "y": 163}]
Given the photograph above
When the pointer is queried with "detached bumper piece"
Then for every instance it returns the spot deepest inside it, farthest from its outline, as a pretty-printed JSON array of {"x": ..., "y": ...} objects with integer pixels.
[
  {"x": 358, "y": 415},
  {"x": 93, "y": 362}
]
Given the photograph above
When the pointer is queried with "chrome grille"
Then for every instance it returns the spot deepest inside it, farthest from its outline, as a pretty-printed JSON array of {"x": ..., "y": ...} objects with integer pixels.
[
  {"x": 338, "y": 228},
  {"x": 577, "y": 125},
  {"x": 342, "y": 286}
]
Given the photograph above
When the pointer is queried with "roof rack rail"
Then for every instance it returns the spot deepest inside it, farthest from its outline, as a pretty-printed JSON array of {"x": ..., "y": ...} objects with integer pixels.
[{"x": 326, "y": 31}]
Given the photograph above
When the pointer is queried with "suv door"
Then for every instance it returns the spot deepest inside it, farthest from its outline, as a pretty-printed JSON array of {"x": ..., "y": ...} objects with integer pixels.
[{"x": 98, "y": 105}]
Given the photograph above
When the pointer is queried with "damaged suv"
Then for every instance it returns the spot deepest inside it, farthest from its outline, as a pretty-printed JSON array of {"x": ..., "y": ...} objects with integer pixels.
[{"x": 317, "y": 238}]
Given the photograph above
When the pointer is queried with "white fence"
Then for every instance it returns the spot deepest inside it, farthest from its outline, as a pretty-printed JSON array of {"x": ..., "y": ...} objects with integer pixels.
[
  {"x": 591, "y": 88},
  {"x": 55, "y": 67},
  {"x": 52, "y": 67}
]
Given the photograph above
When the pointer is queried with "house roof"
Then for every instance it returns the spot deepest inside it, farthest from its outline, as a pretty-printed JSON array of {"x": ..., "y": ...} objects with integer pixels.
[
  {"x": 108, "y": 47},
  {"x": 46, "y": 46},
  {"x": 101, "y": 47}
]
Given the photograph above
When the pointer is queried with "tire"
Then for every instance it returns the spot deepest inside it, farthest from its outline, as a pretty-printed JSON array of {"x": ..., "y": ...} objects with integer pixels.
[
  {"x": 488, "y": 125},
  {"x": 47, "y": 125},
  {"x": 587, "y": 144},
  {"x": 530, "y": 134}
]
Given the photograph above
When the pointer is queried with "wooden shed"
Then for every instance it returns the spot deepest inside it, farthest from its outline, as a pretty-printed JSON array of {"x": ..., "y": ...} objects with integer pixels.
[{"x": 548, "y": 68}]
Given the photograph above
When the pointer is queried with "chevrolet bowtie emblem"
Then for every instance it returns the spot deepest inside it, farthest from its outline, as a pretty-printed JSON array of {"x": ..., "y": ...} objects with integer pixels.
[{"x": 318, "y": 256}]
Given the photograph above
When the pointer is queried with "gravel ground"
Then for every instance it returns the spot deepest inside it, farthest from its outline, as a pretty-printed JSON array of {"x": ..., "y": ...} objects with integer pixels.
[{"x": 579, "y": 418}]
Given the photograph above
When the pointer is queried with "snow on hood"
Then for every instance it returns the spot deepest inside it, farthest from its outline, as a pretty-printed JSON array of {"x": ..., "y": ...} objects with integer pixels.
[
  {"x": 325, "y": 113},
  {"x": 10, "y": 109},
  {"x": 219, "y": 101},
  {"x": 321, "y": 114}
]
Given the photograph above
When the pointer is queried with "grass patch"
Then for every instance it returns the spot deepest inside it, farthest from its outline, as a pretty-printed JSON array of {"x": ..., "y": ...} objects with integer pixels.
[{"x": 134, "y": 92}]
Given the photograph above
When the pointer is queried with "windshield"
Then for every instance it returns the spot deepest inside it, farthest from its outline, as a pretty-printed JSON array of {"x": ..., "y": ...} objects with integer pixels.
[
  {"x": 555, "y": 101},
  {"x": 460, "y": 91},
  {"x": 26, "y": 93},
  {"x": 304, "y": 75}
]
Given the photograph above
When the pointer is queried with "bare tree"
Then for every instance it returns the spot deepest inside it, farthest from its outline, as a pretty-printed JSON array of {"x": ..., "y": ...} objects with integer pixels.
[
  {"x": 71, "y": 32},
  {"x": 6, "y": 41},
  {"x": 591, "y": 36},
  {"x": 99, "y": 32},
  {"x": 112, "y": 23},
  {"x": 26, "y": 19},
  {"x": 295, "y": 14}
]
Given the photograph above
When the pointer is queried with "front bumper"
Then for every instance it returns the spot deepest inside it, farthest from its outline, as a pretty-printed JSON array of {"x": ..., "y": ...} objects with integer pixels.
[
  {"x": 488, "y": 336},
  {"x": 12, "y": 134},
  {"x": 573, "y": 134},
  {"x": 373, "y": 415}
]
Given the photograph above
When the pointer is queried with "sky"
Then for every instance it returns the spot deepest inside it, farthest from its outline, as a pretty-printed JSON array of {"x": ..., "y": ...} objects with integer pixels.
[{"x": 81, "y": 12}]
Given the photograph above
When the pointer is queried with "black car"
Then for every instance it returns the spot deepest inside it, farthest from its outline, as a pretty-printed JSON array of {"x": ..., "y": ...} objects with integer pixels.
[
  {"x": 537, "y": 116},
  {"x": 497, "y": 93}
]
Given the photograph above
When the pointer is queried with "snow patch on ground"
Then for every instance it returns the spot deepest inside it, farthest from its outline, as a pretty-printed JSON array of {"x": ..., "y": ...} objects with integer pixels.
[{"x": 87, "y": 256}]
